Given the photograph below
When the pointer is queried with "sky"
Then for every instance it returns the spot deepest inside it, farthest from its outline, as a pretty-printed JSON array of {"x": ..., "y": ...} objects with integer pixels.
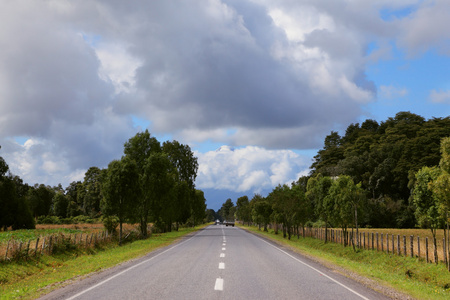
[{"x": 252, "y": 86}]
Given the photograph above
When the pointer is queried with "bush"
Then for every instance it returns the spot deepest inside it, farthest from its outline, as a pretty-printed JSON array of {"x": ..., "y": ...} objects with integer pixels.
[
  {"x": 48, "y": 220},
  {"x": 110, "y": 223},
  {"x": 82, "y": 220}
]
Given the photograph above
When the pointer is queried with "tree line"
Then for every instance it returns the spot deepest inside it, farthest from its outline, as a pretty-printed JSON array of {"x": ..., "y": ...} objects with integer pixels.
[
  {"x": 152, "y": 182},
  {"x": 393, "y": 174}
]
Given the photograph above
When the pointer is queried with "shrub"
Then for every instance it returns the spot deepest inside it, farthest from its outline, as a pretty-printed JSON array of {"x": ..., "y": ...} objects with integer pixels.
[
  {"x": 48, "y": 220},
  {"x": 110, "y": 223}
]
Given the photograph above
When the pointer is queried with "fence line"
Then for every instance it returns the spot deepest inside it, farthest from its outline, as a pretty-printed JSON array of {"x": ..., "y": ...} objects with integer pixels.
[
  {"x": 393, "y": 244},
  {"x": 16, "y": 249}
]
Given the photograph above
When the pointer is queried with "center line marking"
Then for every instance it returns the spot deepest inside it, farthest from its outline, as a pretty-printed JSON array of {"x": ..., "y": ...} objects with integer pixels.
[
  {"x": 222, "y": 254},
  {"x": 221, "y": 265},
  {"x": 219, "y": 284},
  {"x": 223, "y": 249},
  {"x": 223, "y": 244}
]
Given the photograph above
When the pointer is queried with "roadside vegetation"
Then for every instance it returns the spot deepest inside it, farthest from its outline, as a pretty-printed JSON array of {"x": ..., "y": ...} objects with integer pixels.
[
  {"x": 152, "y": 182},
  {"x": 393, "y": 174},
  {"x": 405, "y": 274},
  {"x": 29, "y": 279}
]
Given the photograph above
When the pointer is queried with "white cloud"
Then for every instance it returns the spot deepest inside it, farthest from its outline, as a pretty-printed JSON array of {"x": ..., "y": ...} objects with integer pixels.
[
  {"x": 248, "y": 169},
  {"x": 426, "y": 28},
  {"x": 439, "y": 96},
  {"x": 392, "y": 92},
  {"x": 281, "y": 73}
]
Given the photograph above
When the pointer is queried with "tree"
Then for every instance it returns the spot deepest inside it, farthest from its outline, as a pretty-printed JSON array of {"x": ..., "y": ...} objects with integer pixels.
[
  {"x": 261, "y": 211},
  {"x": 91, "y": 193},
  {"x": 139, "y": 148},
  {"x": 60, "y": 205},
  {"x": 14, "y": 211},
  {"x": 119, "y": 189},
  {"x": 184, "y": 161},
  {"x": 441, "y": 188},
  {"x": 303, "y": 210},
  {"x": 243, "y": 211},
  {"x": 227, "y": 211},
  {"x": 427, "y": 206},
  {"x": 327, "y": 159},
  {"x": 346, "y": 197},
  {"x": 198, "y": 207},
  {"x": 40, "y": 199},
  {"x": 317, "y": 191},
  {"x": 158, "y": 184},
  {"x": 75, "y": 202}
]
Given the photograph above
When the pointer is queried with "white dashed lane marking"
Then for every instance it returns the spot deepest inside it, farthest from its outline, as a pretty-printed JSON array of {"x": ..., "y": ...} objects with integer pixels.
[
  {"x": 219, "y": 284},
  {"x": 219, "y": 281}
]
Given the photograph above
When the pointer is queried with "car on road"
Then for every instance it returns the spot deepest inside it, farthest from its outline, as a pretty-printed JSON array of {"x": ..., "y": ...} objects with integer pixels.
[{"x": 228, "y": 223}]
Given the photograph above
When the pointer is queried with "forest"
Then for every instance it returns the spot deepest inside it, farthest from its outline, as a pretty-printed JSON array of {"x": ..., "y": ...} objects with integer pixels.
[
  {"x": 393, "y": 174},
  {"x": 151, "y": 183}
]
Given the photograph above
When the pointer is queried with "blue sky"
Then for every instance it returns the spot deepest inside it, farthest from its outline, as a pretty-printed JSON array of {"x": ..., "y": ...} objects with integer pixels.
[{"x": 253, "y": 86}]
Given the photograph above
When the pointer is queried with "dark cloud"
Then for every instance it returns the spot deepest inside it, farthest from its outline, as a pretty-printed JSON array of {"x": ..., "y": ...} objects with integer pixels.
[{"x": 276, "y": 74}]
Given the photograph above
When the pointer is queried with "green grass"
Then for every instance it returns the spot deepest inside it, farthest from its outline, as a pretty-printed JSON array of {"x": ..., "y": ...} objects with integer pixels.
[
  {"x": 405, "y": 274},
  {"x": 33, "y": 278}
]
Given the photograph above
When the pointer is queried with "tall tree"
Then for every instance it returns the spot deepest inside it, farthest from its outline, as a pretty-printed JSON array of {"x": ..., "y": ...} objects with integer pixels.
[
  {"x": 243, "y": 209},
  {"x": 75, "y": 202},
  {"x": 159, "y": 181},
  {"x": 227, "y": 210},
  {"x": 198, "y": 207},
  {"x": 317, "y": 191},
  {"x": 91, "y": 194},
  {"x": 139, "y": 148},
  {"x": 261, "y": 211},
  {"x": 184, "y": 161},
  {"x": 326, "y": 161},
  {"x": 40, "y": 199},
  {"x": 60, "y": 205},
  {"x": 427, "y": 206},
  {"x": 441, "y": 189},
  {"x": 119, "y": 189}
]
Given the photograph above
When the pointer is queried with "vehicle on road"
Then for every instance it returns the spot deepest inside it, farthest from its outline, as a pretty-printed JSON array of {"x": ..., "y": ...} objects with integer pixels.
[{"x": 228, "y": 223}]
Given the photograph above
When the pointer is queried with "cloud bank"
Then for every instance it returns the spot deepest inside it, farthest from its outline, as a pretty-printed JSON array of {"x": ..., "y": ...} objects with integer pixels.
[{"x": 269, "y": 74}]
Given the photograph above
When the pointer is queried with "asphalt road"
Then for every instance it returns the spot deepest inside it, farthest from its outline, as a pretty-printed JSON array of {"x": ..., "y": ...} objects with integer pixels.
[{"x": 218, "y": 263}]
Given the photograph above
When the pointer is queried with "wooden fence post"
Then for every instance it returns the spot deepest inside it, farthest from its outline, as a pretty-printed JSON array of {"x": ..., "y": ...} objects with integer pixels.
[
  {"x": 412, "y": 245},
  {"x": 418, "y": 247},
  {"x": 426, "y": 248},
  {"x": 28, "y": 247},
  {"x": 50, "y": 245},
  {"x": 436, "y": 259},
  {"x": 387, "y": 242},
  {"x": 373, "y": 241},
  {"x": 36, "y": 247},
  {"x": 398, "y": 244},
  {"x": 43, "y": 246},
  {"x": 364, "y": 240}
]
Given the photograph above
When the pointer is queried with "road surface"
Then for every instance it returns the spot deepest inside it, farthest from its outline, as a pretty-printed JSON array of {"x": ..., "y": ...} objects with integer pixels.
[{"x": 218, "y": 262}]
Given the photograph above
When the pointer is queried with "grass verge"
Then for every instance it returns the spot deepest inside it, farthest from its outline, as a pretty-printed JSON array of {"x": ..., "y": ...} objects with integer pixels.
[
  {"x": 405, "y": 274},
  {"x": 36, "y": 277}
]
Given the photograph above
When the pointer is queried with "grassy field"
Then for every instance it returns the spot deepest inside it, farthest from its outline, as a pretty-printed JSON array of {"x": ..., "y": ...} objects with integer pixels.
[
  {"x": 408, "y": 275},
  {"x": 35, "y": 277}
]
